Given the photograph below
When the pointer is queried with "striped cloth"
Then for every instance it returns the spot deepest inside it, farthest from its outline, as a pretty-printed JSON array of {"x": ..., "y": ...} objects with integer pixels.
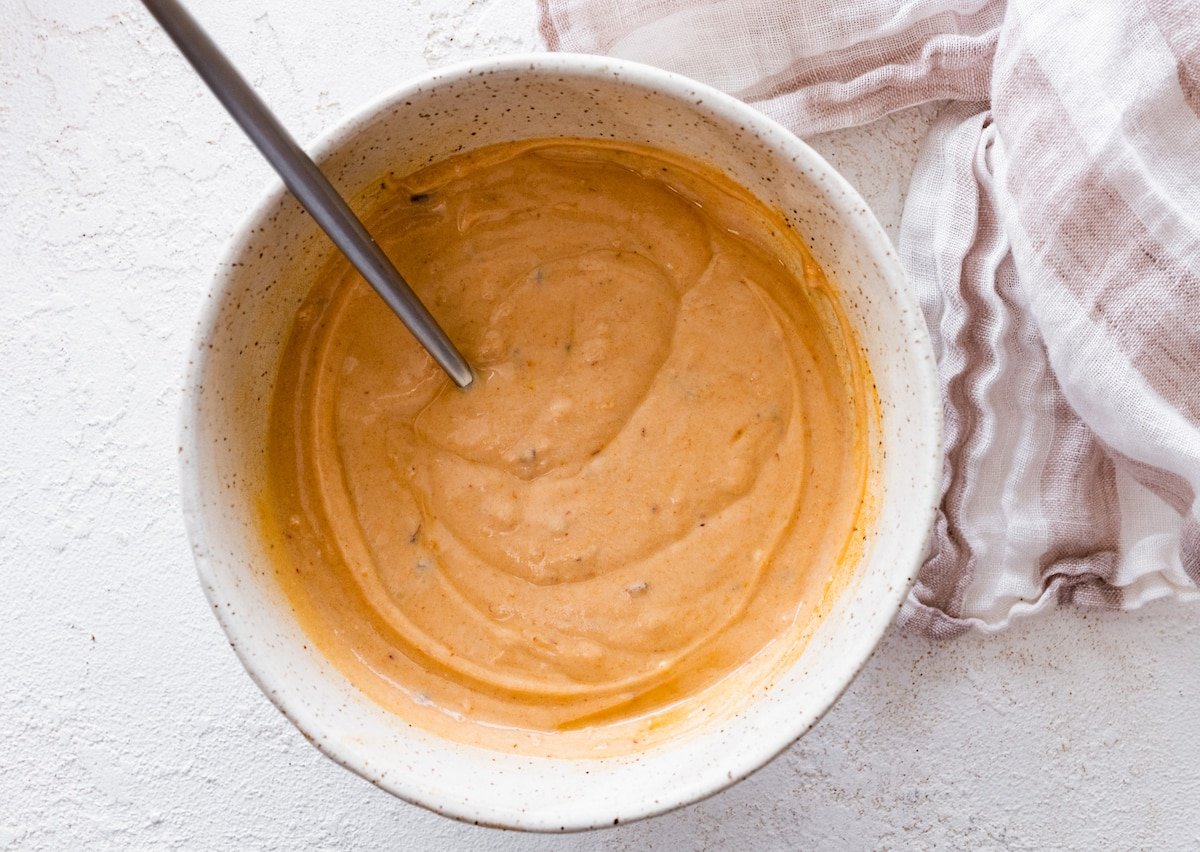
[{"x": 1052, "y": 231}]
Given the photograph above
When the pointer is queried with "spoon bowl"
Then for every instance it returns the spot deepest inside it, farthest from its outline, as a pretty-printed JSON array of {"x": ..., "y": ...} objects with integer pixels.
[{"x": 266, "y": 275}]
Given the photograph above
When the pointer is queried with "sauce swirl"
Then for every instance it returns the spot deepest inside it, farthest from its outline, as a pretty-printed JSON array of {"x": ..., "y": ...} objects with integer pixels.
[{"x": 656, "y": 473}]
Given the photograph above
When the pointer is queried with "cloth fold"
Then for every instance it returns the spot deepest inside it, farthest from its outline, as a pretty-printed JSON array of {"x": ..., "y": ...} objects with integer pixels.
[{"x": 1052, "y": 234}]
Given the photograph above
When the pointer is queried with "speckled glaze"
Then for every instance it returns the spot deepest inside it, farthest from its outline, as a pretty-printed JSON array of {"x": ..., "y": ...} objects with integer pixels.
[{"x": 264, "y": 278}]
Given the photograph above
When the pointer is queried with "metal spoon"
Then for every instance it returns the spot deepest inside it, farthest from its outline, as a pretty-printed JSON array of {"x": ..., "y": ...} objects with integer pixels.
[{"x": 301, "y": 175}]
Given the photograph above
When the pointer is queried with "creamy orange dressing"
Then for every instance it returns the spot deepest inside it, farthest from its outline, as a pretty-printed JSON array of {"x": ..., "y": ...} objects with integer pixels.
[{"x": 656, "y": 473}]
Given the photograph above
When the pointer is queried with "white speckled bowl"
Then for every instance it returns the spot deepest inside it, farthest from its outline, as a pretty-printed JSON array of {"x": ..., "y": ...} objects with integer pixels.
[{"x": 265, "y": 276}]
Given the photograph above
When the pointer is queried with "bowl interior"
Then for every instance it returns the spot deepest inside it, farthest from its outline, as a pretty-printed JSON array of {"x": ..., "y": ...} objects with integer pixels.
[{"x": 266, "y": 276}]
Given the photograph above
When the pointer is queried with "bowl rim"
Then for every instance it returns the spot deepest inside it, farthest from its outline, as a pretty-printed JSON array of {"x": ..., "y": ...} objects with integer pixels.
[{"x": 926, "y": 472}]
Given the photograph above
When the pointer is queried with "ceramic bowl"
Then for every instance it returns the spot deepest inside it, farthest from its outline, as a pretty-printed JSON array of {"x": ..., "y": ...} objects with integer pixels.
[{"x": 263, "y": 279}]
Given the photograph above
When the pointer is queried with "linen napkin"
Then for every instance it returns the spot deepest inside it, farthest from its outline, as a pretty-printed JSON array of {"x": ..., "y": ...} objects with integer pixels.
[{"x": 1052, "y": 233}]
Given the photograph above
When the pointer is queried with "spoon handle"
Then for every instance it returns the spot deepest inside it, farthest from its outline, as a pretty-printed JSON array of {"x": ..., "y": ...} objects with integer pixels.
[{"x": 301, "y": 175}]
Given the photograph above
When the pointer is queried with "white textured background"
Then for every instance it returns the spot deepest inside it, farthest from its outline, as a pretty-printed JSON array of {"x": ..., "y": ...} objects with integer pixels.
[{"x": 126, "y": 721}]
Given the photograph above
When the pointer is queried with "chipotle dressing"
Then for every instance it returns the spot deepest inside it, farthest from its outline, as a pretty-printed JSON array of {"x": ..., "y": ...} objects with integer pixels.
[{"x": 657, "y": 472}]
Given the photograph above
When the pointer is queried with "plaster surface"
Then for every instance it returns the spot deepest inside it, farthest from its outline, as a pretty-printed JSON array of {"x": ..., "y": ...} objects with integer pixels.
[{"x": 125, "y": 719}]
